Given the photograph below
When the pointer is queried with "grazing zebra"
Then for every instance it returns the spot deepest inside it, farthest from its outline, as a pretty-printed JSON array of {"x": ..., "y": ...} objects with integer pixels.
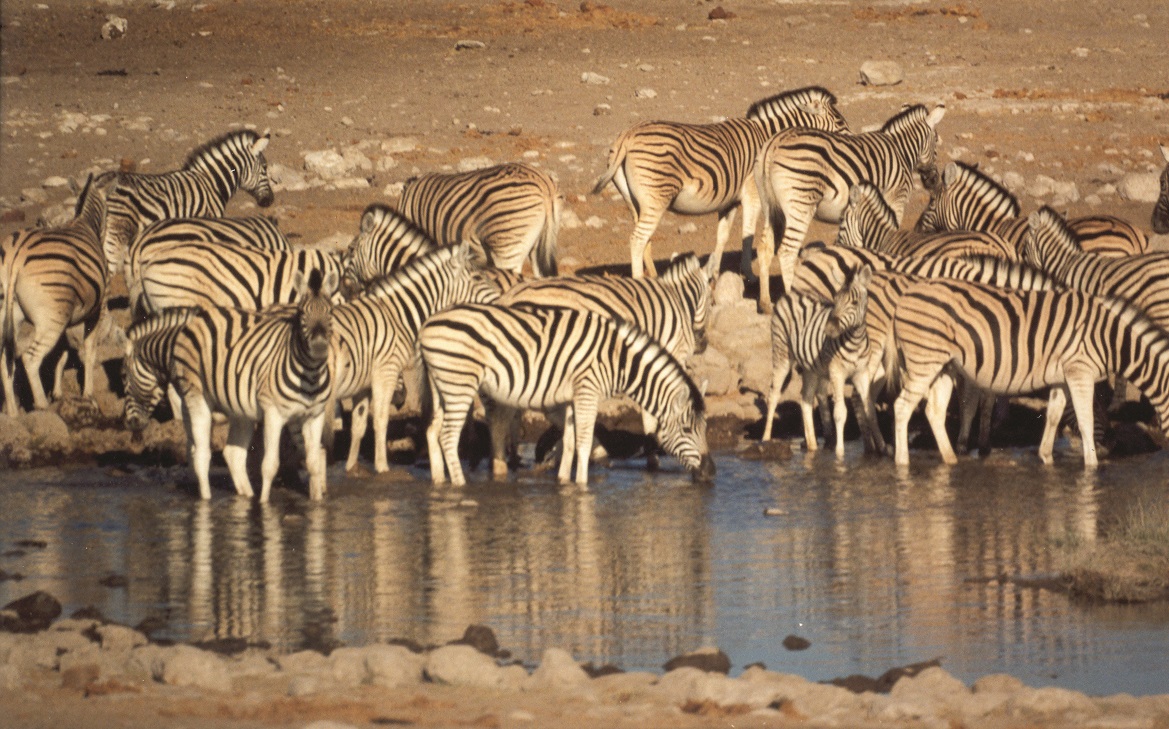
[
  {"x": 696, "y": 169},
  {"x": 385, "y": 242},
  {"x": 55, "y": 279},
  {"x": 146, "y": 368},
  {"x": 1014, "y": 342},
  {"x": 553, "y": 359},
  {"x": 967, "y": 199},
  {"x": 207, "y": 180},
  {"x": 374, "y": 335},
  {"x": 507, "y": 213},
  {"x": 804, "y": 173},
  {"x": 825, "y": 343},
  {"x": 221, "y": 274},
  {"x": 1161, "y": 209},
  {"x": 270, "y": 366},
  {"x": 869, "y": 222}
]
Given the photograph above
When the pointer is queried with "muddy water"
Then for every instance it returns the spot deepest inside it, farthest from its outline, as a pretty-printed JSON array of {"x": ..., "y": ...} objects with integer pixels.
[{"x": 876, "y": 568}]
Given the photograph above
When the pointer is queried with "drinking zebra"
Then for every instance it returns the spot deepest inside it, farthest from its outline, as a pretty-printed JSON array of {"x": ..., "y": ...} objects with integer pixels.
[
  {"x": 968, "y": 199},
  {"x": 385, "y": 242},
  {"x": 270, "y": 366},
  {"x": 869, "y": 222},
  {"x": 1161, "y": 209},
  {"x": 508, "y": 213},
  {"x": 375, "y": 335},
  {"x": 55, "y": 279},
  {"x": 211, "y": 174},
  {"x": 806, "y": 173},
  {"x": 1015, "y": 342},
  {"x": 825, "y": 344},
  {"x": 697, "y": 169},
  {"x": 553, "y": 359},
  {"x": 146, "y": 368}
]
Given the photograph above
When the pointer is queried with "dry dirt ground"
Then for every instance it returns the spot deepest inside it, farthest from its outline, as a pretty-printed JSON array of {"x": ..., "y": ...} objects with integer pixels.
[{"x": 1075, "y": 90}]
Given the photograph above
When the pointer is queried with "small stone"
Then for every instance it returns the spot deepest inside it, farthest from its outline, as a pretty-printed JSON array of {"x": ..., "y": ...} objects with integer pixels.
[
  {"x": 114, "y": 27},
  {"x": 185, "y": 665},
  {"x": 33, "y": 612},
  {"x": 462, "y": 665},
  {"x": 1142, "y": 187},
  {"x": 709, "y": 659},
  {"x": 796, "y": 643},
  {"x": 394, "y": 189},
  {"x": 469, "y": 45},
  {"x": 55, "y": 181},
  {"x": 399, "y": 145},
  {"x": 34, "y": 195},
  {"x": 595, "y": 222},
  {"x": 304, "y": 686},
  {"x": 594, "y": 79},
  {"x": 469, "y": 164},
  {"x": 688, "y": 228},
  {"x": 1014, "y": 181},
  {"x": 774, "y": 511},
  {"x": 347, "y": 121},
  {"x": 557, "y": 669},
  {"x": 645, "y": 93},
  {"x": 602, "y": 110},
  {"x": 328, "y": 164},
  {"x": 569, "y": 220},
  {"x": 720, "y": 13},
  {"x": 881, "y": 73}
]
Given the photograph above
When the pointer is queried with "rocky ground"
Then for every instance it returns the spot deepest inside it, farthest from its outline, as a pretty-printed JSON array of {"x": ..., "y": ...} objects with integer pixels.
[{"x": 1065, "y": 102}]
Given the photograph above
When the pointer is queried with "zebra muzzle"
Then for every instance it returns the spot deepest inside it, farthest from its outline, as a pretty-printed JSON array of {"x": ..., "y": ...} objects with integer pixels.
[{"x": 705, "y": 471}]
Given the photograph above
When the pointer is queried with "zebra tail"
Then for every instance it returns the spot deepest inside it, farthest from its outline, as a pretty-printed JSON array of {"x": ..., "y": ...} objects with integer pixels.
[
  {"x": 892, "y": 363},
  {"x": 545, "y": 251},
  {"x": 8, "y": 325},
  {"x": 616, "y": 159}
]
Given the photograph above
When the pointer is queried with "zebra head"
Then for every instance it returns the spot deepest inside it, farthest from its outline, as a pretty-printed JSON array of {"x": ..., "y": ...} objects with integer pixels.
[
  {"x": 916, "y": 130},
  {"x": 1161, "y": 209},
  {"x": 967, "y": 199},
  {"x": 1049, "y": 240},
  {"x": 314, "y": 306},
  {"x": 682, "y": 431},
  {"x": 850, "y": 304},
  {"x": 385, "y": 242},
  {"x": 144, "y": 390},
  {"x": 867, "y": 218},
  {"x": 235, "y": 161},
  {"x": 149, "y": 344}
]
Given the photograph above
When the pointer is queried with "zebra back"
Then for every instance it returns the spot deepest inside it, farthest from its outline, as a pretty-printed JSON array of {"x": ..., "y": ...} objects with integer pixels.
[
  {"x": 385, "y": 242},
  {"x": 210, "y": 176},
  {"x": 812, "y": 106},
  {"x": 221, "y": 274},
  {"x": 254, "y": 231},
  {"x": 146, "y": 366},
  {"x": 1161, "y": 209},
  {"x": 673, "y": 308},
  {"x": 506, "y": 212}
]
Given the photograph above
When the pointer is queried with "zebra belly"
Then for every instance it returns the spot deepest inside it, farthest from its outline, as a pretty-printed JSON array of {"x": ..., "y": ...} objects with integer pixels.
[
  {"x": 517, "y": 395},
  {"x": 693, "y": 201}
]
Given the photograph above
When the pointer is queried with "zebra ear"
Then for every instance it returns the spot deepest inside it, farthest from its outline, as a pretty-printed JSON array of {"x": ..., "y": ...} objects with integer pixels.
[
  {"x": 936, "y": 115},
  {"x": 854, "y": 194},
  {"x": 950, "y": 174},
  {"x": 864, "y": 276},
  {"x": 331, "y": 283},
  {"x": 262, "y": 143},
  {"x": 1165, "y": 152},
  {"x": 367, "y": 220}
]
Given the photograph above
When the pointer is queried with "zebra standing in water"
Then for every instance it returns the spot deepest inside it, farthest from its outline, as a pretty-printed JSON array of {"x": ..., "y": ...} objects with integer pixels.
[
  {"x": 823, "y": 343},
  {"x": 55, "y": 278},
  {"x": 1015, "y": 342},
  {"x": 869, "y": 222},
  {"x": 697, "y": 169},
  {"x": 967, "y": 199},
  {"x": 146, "y": 367},
  {"x": 207, "y": 180},
  {"x": 374, "y": 335},
  {"x": 270, "y": 366},
  {"x": 507, "y": 212},
  {"x": 553, "y": 359},
  {"x": 1161, "y": 209},
  {"x": 804, "y": 173}
]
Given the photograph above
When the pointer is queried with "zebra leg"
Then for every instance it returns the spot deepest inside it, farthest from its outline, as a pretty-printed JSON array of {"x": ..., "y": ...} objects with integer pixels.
[
  {"x": 903, "y": 408},
  {"x": 985, "y": 417},
  {"x": 8, "y": 372},
  {"x": 381, "y": 400},
  {"x": 798, "y": 216},
  {"x": 640, "y": 251},
  {"x": 749, "y": 200},
  {"x": 358, "y": 424},
  {"x": 567, "y": 444},
  {"x": 273, "y": 428},
  {"x": 840, "y": 408},
  {"x": 93, "y": 331},
  {"x": 726, "y": 218},
  {"x": 433, "y": 447},
  {"x": 1081, "y": 389},
  {"x": 968, "y": 407},
  {"x": 584, "y": 416},
  {"x": 500, "y": 419},
  {"x": 314, "y": 454},
  {"x": 453, "y": 420},
  {"x": 235, "y": 452},
  {"x": 33, "y": 356},
  {"x": 1056, "y": 403},
  {"x": 935, "y": 412},
  {"x": 863, "y": 391},
  {"x": 197, "y": 419},
  {"x": 808, "y": 390}
]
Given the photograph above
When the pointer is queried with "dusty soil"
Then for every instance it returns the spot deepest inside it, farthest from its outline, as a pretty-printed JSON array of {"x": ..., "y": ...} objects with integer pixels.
[{"x": 1070, "y": 89}]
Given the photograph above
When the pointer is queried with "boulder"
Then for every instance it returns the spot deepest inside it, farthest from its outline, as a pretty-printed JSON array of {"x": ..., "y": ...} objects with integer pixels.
[
  {"x": 1142, "y": 187},
  {"x": 184, "y": 665},
  {"x": 557, "y": 669},
  {"x": 881, "y": 73},
  {"x": 119, "y": 638},
  {"x": 462, "y": 665},
  {"x": 391, "y": 666},
  {"x": 728, "y": 289},
  {"x": 31, "y": 613}
]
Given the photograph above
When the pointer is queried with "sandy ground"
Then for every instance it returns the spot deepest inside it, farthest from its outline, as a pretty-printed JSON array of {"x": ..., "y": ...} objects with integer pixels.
[{"x": 1071, "y": 90}]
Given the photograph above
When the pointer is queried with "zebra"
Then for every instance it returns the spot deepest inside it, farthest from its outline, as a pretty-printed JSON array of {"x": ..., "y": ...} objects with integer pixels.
[
  {"x": 869, "y": 222},
  {"x": 211, "y": 174},
  {"x": 1013, "y": 342},
  {"x": 253, "y": 231},
  {"x": 508, "y": 213},
  {"x": 221, "y": 274},
  {"x": 146, "y": 366},
  {"x": 968, "y": 199},
  {"x": 271, "y": 366},
  {"x": 386, "y": 240},
  {"x": 804, "y": 173},
  {"x": 697, "y": 169},
  {"x": 824, "y": 343},
  {"x": 374, "y": 335},
  {"x": 1161, "y": 209},
  {"x": 552, "y": 358},
  {"x": 55, "y": 279}
]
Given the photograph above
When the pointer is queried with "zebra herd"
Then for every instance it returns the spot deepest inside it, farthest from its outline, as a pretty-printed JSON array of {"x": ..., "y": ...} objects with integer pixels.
[{"x": 229, "y": 318}]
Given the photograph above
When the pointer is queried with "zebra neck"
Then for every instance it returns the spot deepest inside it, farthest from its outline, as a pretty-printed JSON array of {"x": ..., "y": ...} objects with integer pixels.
[
  {"x": 223, "y": 178},
  {"x": 1070, "y": 266},
  {"x": 1138, "y": 349}
]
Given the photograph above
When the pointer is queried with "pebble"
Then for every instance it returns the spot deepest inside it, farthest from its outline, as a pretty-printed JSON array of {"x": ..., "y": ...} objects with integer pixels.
[
  {"x": 881, "y": 73},
  {"x": 594, "y": 79},
  {"x": 687, "y": 228},
  {"x": 645, "y": 93},
  {"x": 602, "y": 110},
  {"x": 469, "y": 45},
  {"x": 1142, "y": 187},
  {"x": 594, "y": 221}
]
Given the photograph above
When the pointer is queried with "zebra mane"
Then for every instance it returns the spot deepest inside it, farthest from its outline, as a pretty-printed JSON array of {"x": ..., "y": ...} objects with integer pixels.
[
  {"x": 907, "y": 117},
  {"x": 402, "y": 226},
  {"x": 680, "y": 268},
  {"x": 868, "y": 194},
  {"x": 395, "y": 283},
  {"x": 165, "y": 319},
  {"x": 968, "y": 175},
  {"x": 786, "y": 100},
  {"x": 635, "y": 336},
  {"x": 1047, "y": 219},
  {"x": 248, "y": 136}
]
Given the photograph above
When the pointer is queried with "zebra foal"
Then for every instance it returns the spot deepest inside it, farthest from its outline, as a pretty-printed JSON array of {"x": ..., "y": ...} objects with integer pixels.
[
  {"x": 508, "y": 213},
  {"x": 55, "y": 279},
  {"x": 826, "y": 344},
  {"x": 806, "y": 173},
  {"x": 697, "y": 169},
  {"x": 209, "y": 178},
  {"x": 553, "y": 359},
  {"x": 1015, "y": 342},
  {"x": 252, "y": 367}
]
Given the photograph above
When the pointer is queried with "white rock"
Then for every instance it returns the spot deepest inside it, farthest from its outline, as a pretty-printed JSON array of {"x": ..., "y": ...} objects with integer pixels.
[
  {"x": 881, "y": 73},
  {"x": 595, "y": 79},
  {"x": 286, "y": 178},
  {"x": 645, "y": 93},
  {"x": 114, "y": 27},
  {"x": 687, "y": 228},
  {"x": 728, "y": 289},
  {"x": 386, "y": 163},
  {"x": 303, "y": 662},
  {"x": 394, "y": 189},
  {"x": 391, "y": 666},
  {"x": 720, "y": 375},
  {"x": 34, "y": 195},
  {"x": 10, "y": 679},
  {"x": 468, "y": 164},
  {"x": 930, "y": 686},
  {"x": 1014, "y": 181},
  {"x": 328, "y": 724},
  {"x": 469, "y": 45},
  {"x": 304, "y": 686},
  {"x": 569, "y": 220},
  {"x": 356, "y": 159},
  {"x": 557, "y": 669},
  {"x": 55, "y": 181},
  {"x": 120, "y": 638},
  {"x": 1140, "y": 187},
  {"x": 1042, "y": 186},
  {"x": 347, "y": 666},
  {"x": 186, "y": 665},
  {"x": 594, "y": 221},
  {"x": 756, "y": 371},
  {"x": 54, "y": 216},
  {"x": 462, "y": 665},
  {"x": 1051, "y": 701},
  {"x": 399, "y": 145},
  {"x": 349, "y": 183},
  {"x": 736, "y": 327},
  {"x": 336, "y": 242},
  {"x": 251, "y": 663},
  {"x": 328, "y": 164}
]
